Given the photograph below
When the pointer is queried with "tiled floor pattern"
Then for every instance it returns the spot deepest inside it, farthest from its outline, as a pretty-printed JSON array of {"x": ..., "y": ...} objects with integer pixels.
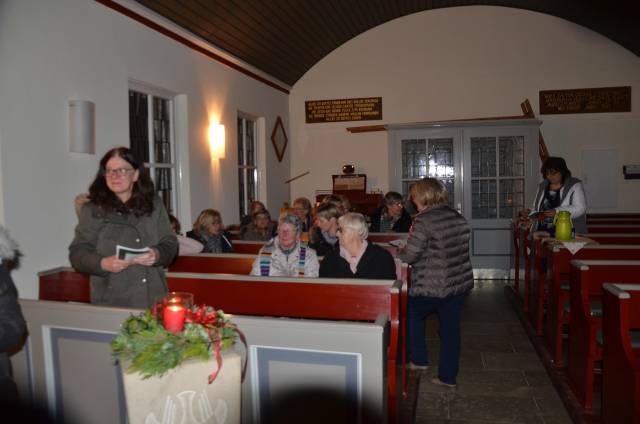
[{"x": 501, "y": 378}]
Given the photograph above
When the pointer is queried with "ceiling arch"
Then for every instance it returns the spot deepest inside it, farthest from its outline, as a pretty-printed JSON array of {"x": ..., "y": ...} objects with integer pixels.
[{"x": 285, "y": 38}]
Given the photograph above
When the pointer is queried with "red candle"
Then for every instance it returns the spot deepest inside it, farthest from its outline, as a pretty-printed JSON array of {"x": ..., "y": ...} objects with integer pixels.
[{"x": 173, "y": 318}]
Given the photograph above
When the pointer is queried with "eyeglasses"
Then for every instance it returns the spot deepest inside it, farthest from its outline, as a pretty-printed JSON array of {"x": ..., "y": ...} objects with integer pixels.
[
  {"x": 551, "y": 172},
  {"x": 118, "y": 172}
]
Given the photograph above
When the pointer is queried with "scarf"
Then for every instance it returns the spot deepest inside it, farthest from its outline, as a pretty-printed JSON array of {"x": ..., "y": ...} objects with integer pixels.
[{"x": 353, "y": 260}]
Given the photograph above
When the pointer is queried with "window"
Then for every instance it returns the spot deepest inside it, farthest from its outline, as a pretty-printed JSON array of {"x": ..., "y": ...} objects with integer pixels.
[
  {"x": 152, "y": 141},
  {"x": 247, "y": 164},
  {"x": 432, "y": 157},
  {"x": 497, "y": 176}
]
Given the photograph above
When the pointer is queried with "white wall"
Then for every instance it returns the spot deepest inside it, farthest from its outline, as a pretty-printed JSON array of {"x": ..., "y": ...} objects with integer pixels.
[
  {"x": 465, "y": 62},
  {"x": 51, "y": 52}
]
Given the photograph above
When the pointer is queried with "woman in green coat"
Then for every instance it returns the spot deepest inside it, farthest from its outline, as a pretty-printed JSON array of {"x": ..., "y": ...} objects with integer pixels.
[{"x": 123, "y": 210}]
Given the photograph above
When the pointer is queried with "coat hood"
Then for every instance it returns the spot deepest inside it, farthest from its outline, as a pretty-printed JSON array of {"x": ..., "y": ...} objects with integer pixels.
[{"x": 8, "y": 246}]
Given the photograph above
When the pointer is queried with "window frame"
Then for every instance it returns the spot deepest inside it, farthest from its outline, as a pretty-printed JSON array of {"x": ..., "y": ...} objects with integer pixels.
[{"x": 174, "y": 164}]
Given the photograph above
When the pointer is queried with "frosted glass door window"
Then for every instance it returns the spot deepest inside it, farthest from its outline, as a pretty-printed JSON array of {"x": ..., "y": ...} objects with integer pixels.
[
  {"x": 497, "y": 177},
  {"x": 433, "y": 157}
]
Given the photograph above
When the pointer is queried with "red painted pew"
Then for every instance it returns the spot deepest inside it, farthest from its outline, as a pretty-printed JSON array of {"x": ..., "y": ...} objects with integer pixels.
[
  {"x": 222, "y": 263},
  {"x": 586, "y": 280},
  {"x": 386, "y": 237},
  {"x": 621, "y": 354},
  {"x": 614, "y": 238},
  {"x": 614, "y": 228},
  {"x": 558, "y": 267},
  {"x": 247, "y": 247},
  {"x": 326, "y": 298}
]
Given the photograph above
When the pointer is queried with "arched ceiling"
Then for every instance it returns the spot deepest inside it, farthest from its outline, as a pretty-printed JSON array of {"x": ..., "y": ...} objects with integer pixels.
[{"x": 285, "y": 38}]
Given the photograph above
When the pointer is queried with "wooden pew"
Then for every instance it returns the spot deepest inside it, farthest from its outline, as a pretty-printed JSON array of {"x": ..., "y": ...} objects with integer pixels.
[
  {"x": 614, "y": 238},
  {"x": 326, "y": 298},
  {"x": 386, "y": 237},
  {"x": 221, "y": 263},
  {"x": 247, "y": 247},
  {"x": 617, "y": 228},
  {"x": 586, "y": 280},
  {"x": 557, "y": 280},
  {"x": 621, "y": 354},
  {"x": 64, "y": 284},
  {"x": 239, "y": 294}
]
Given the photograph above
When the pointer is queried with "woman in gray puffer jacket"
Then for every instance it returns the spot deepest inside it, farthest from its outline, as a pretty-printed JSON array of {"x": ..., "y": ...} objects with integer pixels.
[{"x": 438, "y": 250}]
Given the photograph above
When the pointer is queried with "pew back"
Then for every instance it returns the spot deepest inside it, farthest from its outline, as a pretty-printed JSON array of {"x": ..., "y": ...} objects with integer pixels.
[
  {"x": 247, "y": 247},
  {"x": 222, "y": 263},
  {"x": 621, "y": 362},
  {"x": 386, "y": 237},
  {"x": 614, "y": 238},
  {"x": 613, "y": 228},
  {"x": 358, "y": 300}
]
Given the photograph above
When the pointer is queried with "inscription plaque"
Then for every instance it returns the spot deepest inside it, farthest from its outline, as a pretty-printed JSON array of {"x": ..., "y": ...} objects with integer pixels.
[
  {"x": 339, "y": 110},
  {"x": 586, "y": 100}
]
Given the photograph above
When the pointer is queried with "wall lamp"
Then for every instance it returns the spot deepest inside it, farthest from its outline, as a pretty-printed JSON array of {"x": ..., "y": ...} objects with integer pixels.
[
  {"x": 216, "y": 140},
  {"x": 82, "y": 126}
]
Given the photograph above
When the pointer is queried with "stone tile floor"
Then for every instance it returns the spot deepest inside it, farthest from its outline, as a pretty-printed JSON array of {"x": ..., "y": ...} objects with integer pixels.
[{"x": 501, "y": 378}]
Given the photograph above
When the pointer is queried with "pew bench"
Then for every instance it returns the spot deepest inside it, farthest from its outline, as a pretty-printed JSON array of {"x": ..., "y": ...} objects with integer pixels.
[
  {"x": 621, "y": 354},
  {"x": 614, "y": 228},
  {"x": 558, "y": 268},
  {"x": 386, "y": 237},
  {"x": 318, "y": 298},
  {"x": 614, "y": 238},
  {"x": 220, "y": 263},
  {"x": 586, "y": 280}
]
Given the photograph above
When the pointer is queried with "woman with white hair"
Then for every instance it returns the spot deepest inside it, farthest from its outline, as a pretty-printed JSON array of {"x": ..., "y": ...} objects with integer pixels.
[
  {"x": 356, "y": 257},
  {"x": 285, "y": 255}
]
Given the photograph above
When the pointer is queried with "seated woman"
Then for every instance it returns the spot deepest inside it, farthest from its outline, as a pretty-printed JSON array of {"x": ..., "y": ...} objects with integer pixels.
[
  {"x": 186, "y": 245},
  {"x": 302, "y": 209},
  {"x": 559, "y": 191},
  {"x": 391, "y": 216},
  {"x": 209, "y": 231},
  {"x": 261, "y": 229},
  {"x": 323, "y": 236},
  {"x": 357, "y": 258},
  {"x": 254, "y": 206},
  {"x": 285, "y": 255}
]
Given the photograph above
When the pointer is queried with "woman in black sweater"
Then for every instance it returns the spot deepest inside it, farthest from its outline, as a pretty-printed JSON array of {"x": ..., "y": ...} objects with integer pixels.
[{"x": 357, "y": 258}]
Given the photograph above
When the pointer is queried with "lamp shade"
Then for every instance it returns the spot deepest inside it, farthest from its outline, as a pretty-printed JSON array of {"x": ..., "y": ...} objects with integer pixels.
[{"x": 82, "y": 123}]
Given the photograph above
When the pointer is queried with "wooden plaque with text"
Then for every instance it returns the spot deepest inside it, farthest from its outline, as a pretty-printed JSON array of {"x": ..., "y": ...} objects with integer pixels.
[
  {"x": 339, "y": 110},
  {"x": 586, "y": 100}
]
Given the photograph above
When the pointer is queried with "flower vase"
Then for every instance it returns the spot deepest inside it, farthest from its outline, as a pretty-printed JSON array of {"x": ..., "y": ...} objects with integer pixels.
[{"x": 184, "y": 396}]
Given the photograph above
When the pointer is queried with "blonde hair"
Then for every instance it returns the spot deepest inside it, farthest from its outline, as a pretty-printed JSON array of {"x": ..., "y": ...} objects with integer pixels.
[
  {"x": 429, "y": 192},
  {"x": 206, "y": 217}
]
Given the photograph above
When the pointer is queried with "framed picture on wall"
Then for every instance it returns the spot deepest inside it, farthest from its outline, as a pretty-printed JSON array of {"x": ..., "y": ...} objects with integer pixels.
[{"x": 279, "y": 139}]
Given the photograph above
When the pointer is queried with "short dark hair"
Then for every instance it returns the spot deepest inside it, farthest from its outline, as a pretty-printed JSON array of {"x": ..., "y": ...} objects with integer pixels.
[
  {"x": 554, "y": 163},
  {"x": 392, "y": 197},
  {"x": 141, "y": 201}
]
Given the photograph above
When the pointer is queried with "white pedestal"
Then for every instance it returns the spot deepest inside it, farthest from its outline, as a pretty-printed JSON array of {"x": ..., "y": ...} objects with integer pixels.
[{"x": 183, "y": 395}]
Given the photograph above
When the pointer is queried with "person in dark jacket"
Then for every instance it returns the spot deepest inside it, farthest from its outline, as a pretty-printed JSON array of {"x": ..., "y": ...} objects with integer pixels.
[
  {"x": 559, "y": 191},
  {"x": 323, "y": 238},
  {"x": 391, "y": 216},
  {"x": 438, "y": 250},
  {"x": 12, "y": 324},
  {"x": 302, "y": 209},
  {"x": 209, "y": 230},
  {"x": 123, "y": 209},
  {"x": 261, "y": 229},
  {"x": 356, "y": 258}
]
